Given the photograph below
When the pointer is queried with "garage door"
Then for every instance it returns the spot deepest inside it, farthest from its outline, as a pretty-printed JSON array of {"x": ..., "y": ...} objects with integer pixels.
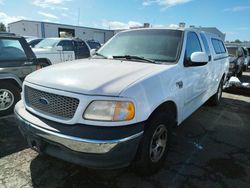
[{"x": 99, "y": 37}]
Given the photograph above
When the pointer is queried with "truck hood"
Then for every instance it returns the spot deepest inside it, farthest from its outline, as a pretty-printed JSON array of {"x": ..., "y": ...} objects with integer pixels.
[{"x": 94, "y": 76}]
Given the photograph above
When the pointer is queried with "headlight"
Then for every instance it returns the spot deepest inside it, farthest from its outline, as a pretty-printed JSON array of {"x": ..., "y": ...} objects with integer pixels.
[{"x": 110, "y": 111}]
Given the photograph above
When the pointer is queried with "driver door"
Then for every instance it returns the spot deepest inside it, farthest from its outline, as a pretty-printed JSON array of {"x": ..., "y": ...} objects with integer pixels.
[
  {"x": 68, "y": 50},
  {"x": 196, "y": 77}
]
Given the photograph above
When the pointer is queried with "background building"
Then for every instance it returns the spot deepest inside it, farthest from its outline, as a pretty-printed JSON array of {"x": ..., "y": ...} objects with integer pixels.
[{"x": 46, "y": 29}]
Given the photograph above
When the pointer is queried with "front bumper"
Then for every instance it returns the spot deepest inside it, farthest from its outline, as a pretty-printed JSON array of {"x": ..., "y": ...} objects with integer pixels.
[{"x": 90, "y": 146}]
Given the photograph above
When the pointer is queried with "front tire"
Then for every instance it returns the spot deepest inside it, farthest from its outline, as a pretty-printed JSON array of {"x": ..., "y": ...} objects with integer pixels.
[
  {"x": 9, "y": 96},
  {"x": 154, "y": 145}
]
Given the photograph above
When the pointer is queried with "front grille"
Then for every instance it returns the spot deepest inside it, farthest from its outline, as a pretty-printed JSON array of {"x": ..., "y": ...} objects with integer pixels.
[{"x": 57, "y": 106}]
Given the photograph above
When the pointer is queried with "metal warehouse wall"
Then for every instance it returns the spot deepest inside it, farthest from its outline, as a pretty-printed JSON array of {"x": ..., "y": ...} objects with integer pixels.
[
  {"x": 26, "y": 28},
  {"x": 51, "y": 30},
  {"x": 44, "y": 29}
]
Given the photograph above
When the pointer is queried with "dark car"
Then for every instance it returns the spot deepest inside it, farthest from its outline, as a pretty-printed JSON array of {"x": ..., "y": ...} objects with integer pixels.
[
  {"x": 236, "y": 60},
  {"x": 247, "y": 59},
  {"x": 7, "y": 33},
  {"x": 33, "y": 41},
  {"x": 94, "y": 45},
  {"x": 248, "y": 49},
  {"x": 17, "y": 60}
]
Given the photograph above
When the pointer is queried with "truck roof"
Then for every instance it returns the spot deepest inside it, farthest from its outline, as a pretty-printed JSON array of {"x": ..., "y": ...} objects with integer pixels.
[
  {"x": 58, "y": 38},
  {"x": 176, "y": 29},
  {"x": 7, "y": 34}
]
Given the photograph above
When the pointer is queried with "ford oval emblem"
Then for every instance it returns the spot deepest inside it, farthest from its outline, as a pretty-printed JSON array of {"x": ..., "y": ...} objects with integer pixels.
[{"x": 43, "y": 101}]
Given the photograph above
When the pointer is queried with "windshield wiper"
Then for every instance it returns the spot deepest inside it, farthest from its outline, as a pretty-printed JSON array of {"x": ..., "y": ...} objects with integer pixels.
[
  {"x": 129, "y": 57},
  {"x": 101, "y": 55}
]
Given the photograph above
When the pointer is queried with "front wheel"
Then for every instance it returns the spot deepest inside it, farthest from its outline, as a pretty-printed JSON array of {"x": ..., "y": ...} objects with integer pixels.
[
  {"x": 9, "y": 96},
  {"x": 154, "y": 145}
]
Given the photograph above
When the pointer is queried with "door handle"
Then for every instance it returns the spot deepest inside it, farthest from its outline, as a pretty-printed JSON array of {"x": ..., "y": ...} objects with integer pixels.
[{"x": 179, "y": 84}]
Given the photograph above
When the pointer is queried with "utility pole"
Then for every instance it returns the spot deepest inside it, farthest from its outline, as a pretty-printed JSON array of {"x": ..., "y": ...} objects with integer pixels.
[{"x": 78, "y": 17}]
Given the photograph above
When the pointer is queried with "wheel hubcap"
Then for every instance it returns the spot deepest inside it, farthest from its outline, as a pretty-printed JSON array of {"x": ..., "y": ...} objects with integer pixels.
[
  {"x": 6, "y": 99},
  {"x": 158, "y": 143}
]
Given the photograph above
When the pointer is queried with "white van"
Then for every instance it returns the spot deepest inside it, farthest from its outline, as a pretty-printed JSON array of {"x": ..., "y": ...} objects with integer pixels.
[
  {"x": 58, "y": 50},
  {"x": 118, "y": 107}
]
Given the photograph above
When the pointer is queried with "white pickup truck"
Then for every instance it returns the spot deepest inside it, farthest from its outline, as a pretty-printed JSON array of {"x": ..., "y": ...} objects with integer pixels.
[
  {"x": 58, "y": 50},
  {"x": 118, "y": 107}
]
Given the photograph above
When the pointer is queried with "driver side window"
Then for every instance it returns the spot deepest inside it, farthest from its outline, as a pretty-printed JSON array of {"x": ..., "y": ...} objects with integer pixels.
[
  {"x": 11, "y": 50},
  {"x": 192, "y": 45},
  {"x": 67, "y": 45}
]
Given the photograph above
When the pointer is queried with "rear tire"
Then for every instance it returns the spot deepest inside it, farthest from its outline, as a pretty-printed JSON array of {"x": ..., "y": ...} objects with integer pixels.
[
  {"x": 9, "y": 96},
  {"x": 240, "y": 74},
  {"x": 244, "y": 68},
  {"x": 216, "y": 98},
  {"x": 154, "y": 145}
]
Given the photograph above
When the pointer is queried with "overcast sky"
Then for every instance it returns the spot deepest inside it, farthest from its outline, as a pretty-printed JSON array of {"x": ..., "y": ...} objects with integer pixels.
[{"x": 230, "y": 16}]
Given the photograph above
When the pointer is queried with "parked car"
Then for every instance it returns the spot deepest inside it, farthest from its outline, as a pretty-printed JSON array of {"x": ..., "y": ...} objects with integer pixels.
[
  {"x": 59, "y": 50},
  {"x": 118, "y": 107},
  {"x": 33, "y": 41},
  {"x": 247, "y": 59},
  {"x": 7, "y": 33},
  {"x": 236, "y": 59},
  {"x": 93, "y": 44},
  {"x": 16, "y": 61},
  {"x": 248, "y": 49}
]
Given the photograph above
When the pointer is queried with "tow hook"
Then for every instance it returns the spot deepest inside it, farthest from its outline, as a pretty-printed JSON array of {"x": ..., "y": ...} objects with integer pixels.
[{"x": 35, "y": 145}]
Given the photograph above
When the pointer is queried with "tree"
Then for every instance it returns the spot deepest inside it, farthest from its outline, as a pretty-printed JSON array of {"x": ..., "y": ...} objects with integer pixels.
[
  {"x": 2, "y": 27},
  {"x": 237, "y": 41}
]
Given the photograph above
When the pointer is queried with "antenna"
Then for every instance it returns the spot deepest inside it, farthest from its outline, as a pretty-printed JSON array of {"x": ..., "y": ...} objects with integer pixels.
[{"x": 78, "y": 17}]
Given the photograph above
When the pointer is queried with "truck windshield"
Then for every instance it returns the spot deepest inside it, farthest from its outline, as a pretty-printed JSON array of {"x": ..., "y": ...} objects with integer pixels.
[
  {"x": 153, "y": 44},
  {"x": 47, "y": 43}
]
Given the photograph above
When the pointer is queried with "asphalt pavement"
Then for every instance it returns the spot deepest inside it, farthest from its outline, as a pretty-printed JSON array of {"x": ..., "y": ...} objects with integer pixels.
[{"x": 210, "y": 149}]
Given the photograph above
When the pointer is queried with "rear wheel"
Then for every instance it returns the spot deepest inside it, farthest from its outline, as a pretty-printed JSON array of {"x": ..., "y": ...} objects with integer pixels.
[
  {"x": 216, "y": 98},
  {"x": 240, "y": 74},
  {"x": 154, "y": 144},
  {"x": 9, "y": 96},
  {"x": 244, "y": 68}
]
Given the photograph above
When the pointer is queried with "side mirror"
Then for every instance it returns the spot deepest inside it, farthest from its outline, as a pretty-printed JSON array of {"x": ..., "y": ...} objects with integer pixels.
[
  {"x": 198, "y": 59},
  {"x": 92, "y": 52},
  {"x": 58, "y": 48}
]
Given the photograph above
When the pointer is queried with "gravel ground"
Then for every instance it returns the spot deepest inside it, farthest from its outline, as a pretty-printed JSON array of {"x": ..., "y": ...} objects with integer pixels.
[{"x": 210, "y": 149}]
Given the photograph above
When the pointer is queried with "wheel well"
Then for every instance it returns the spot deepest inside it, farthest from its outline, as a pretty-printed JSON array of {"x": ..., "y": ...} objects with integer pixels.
[
  {"x": 168, "y": 106},
  {"x": 11, "y": 81},
  {"x": 223, "y": 78}
]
